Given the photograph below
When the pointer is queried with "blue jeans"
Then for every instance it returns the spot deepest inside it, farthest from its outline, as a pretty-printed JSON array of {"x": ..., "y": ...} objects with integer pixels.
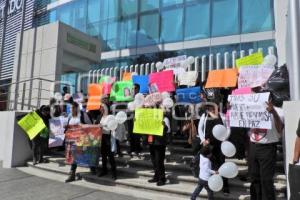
[{"x": 202, "y": 184}]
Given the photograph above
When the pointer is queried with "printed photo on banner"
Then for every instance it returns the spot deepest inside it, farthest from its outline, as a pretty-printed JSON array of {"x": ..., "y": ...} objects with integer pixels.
[{"x": 249, "y": 111}]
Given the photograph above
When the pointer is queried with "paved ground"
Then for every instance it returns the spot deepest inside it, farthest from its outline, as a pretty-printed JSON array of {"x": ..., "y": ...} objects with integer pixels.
[{"x": 16, "y": 185}]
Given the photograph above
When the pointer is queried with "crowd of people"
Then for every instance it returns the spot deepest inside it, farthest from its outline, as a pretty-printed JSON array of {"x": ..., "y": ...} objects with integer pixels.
[{"x": 258, "y": 146}]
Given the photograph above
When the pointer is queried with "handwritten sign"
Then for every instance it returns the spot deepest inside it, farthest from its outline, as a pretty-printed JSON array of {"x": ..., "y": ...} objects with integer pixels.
[
  {"x": 148, "y": 121},
  {"x": 253, "y": 59},
  {"x": 254, "y": 76},
  {"x": 249, "y": 111},
  {"x": 221, "y": 78},
  {"x": 153, "y": 99},
  {"x": 143, "y": 82},
  {"x": 32, "y": 124},
  {"x": 188, "y": 78},
  {"x": 122, "y": 91},
  {"x": 188, "y": 95},
  {"x": 94, "y": 96},
  {"x": 127, "y": 76},
  {"x": 174, "y": 61},
  {"x": 162, "y": 81},
  {"x": 245, "y": 90}
]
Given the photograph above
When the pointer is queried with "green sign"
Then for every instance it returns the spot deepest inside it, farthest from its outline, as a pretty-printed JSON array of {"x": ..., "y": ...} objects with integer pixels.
[
  {"x": 122, "y": 91},
  {"x": 81, "y": 43}
]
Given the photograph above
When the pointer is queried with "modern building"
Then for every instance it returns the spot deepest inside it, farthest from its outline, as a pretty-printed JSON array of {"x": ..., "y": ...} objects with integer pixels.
[{"x": 136, "y": 32}]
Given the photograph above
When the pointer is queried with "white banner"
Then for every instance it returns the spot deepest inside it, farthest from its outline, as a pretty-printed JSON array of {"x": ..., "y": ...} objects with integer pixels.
[
  {"x": 188, "y": 78},
  {"x": 254, "y": 76},
  {"x": 57, "y": 131},
  {"x": 249, "y": 111}
]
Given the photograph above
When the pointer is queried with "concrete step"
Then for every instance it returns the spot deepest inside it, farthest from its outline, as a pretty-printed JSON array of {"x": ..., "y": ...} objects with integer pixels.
[{"x": 180, "y": 189}]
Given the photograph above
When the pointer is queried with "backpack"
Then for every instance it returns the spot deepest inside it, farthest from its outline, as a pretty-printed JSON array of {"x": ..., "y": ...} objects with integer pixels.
[{"x": 194, "y": 165}]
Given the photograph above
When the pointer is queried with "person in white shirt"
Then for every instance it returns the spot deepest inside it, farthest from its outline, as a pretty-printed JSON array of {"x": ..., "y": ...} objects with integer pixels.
[
  {"x": 205, "y": 172},
  {"x": 262, "y": 156}
]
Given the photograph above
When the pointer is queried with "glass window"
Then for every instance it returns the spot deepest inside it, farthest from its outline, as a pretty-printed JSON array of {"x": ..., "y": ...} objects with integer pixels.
[
  {"x": 128, "y": 33},
  {"x": 149, "y": 29},
  {"x": 128, "y": 7},
  {"x": 171, "y": 25},
  {"x": 93, "y": 30},
  {"x": 79, "y": 15},
  {"x": 257, "y": 16},
  {"x": 171, "y": 2},
  {"x": 149, "y": 5},
  {"x": 93, "y": 13},
  {"x": 109, "y": 9},
  {"x": 112, "y": 35},
  {"x": 65, "y": 14},
  {"x": 201, "y": 19},
  {"x": 52, "y": 16},
  {"x": 225, "y": 20}
]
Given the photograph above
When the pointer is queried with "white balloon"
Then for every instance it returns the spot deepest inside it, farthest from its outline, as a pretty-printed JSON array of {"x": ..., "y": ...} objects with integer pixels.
[
  {"x": 215, "y": 183},
  {"x": 191, "y": 60},
  {"x": 138, "y": 103},
  {"x": 229, "y": 170},
  {"x": 107, "y": 119},
  {"x": 228, "y": 149},
  {"x": 220, "y": 132},
  {"x": 131, "y": 106},
  {"x": 139, "y": 96},
  {"x": 112, "y": 125},
  {"x": 58, "y": 96},
  {"x": 185, "y": 64},
  {"x": 121, "y": 117},
  {"x": 159, "y": 66},
  {"x": 168, "y": 103},
  {"x": 270, "y": 60},
  {"x": 165, "y": 95}
]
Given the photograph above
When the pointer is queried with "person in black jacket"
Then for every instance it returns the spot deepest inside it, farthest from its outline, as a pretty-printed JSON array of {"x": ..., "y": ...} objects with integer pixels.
[{"x": 157, "y": 146}]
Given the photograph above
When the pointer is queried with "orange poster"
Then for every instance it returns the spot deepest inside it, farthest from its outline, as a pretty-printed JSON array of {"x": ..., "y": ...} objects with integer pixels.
[
  {"x": 127, "y": 76},
  {"x": 94, "y": 94},
  {"x": 222, "y": 78}
]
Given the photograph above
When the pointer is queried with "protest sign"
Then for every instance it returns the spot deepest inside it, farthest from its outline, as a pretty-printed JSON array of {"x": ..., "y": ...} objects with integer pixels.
[
  {"x": 153, "y": 99},
  {"x": 57, "y": 135},
  {"x": 221, "y": 78},
  {"x": 253, "y": 59},
  {"x": 143, "y": 82},
  {"x": 122, "y": 91},
  {"x": 249, "y": 111},
  {"x": 106, "y": 79},
  {"x": 254, "y": 76},
  {"x": 32, "y": 124},
  {"x": 245, "y": 90},
  {"x": 127, "y": 76},
  {"x": 188, "y": 95},
  {"x": 161, "y": 81},
  {"x": 80, "y": 138},
  {"x": 86, "y": 156},
  {"x": 148, "y": 121},
  {"x": 174, "y": 61},
  {"x": 94, "y": 96},
  {"x": 188, "y": 78}
]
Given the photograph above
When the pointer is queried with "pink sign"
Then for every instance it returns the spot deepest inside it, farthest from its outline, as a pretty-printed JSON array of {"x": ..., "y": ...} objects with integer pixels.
[
  {"x": 246, "y": 90},
  {"x": 162, "y": 81},
  {"x": 106, "y": 88}
]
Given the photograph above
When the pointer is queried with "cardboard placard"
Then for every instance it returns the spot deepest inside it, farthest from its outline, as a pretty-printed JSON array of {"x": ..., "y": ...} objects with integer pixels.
[
  {"x": 245, "y": 90},
  {"x": 127, "y": 76},
  {"x": 143, "y": 82},
  {"x": 253, "y": 59},
  {"x": 122, "y": 91},
  {"x": 32, "y": 124},
  {"x": 148, "y": 121},
  {"x": 188, "y": 95},
  {"x": 222, "y": 78},
  {"x": 94, "y": 96},
  {"x": 254, "y": 76},
  {"x": 162, "y": 81},
  {"x": 249, "y": 111},
  {"x": 188, "y": 78},
  {"x": 57, "y": 131}
]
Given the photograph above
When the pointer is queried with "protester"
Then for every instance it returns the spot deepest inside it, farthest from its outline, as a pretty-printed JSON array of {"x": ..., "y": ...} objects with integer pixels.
[
  {"x": 134, "y": 139},
  {"x": 205, "y": 172},
  {"x": 76, "y": 118},
  {"x": 157, "y": 146},
  {"x": 106, "y": 144},
  {"x": 297, "y": 146},
  {"x": 40, "y": 142},
  {"x": 262, "y": 155},
  {"x": 207, "y": 122}
]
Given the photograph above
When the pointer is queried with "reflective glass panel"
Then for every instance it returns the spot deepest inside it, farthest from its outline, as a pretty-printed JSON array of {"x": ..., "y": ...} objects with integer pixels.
[
  {"x": 171, "y": 2},
  {"x": 171, "y": 25},
  {"x": 93, "y": 12},
  {"x": 128, "y": 7},
  {"x": 149, "y": 4},
  {"x": 149, "y": 29}
]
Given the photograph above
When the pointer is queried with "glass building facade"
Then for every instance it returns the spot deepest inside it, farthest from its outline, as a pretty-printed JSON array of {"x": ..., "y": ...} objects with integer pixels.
[{"x": 134, "y": 24}]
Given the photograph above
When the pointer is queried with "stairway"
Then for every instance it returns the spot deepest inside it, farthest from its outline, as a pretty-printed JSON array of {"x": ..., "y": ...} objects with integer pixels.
[{"x": 134, "y": 172}]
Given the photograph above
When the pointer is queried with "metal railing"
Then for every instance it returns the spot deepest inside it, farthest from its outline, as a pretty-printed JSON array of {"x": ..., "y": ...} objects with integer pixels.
[{"x": 202, "y": 64}]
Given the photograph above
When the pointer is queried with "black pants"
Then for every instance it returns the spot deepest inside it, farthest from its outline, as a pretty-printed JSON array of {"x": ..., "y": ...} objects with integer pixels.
[
  {"x": 262, "y": 161},
  {"x": 38, "y": 147},
  {"x": 135, "y": 143},
  {"x": 158, "y": 154},
  {"x": 107, "y": 153},
  {"x": 202, "y": 184}
]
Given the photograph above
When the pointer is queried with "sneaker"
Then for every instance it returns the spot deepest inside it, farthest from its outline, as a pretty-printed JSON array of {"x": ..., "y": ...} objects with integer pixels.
[
  {"x": 160, "y": 183},
  {"x": 103, "y": 173},
  {"x": 152, "y": 180}
]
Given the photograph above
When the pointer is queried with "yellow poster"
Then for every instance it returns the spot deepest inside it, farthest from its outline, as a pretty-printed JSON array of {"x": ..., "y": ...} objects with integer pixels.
[
  {"x": 253, "y": 59},
  {"x": 32, "y": 124},
  {"x": 148, "y": 121}
]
